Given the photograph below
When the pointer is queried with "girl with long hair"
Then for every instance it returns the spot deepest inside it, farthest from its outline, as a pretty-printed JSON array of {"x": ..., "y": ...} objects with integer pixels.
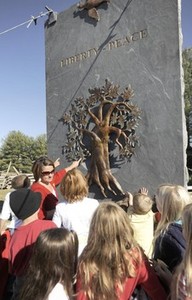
[
  {"x": 182, "y": 279},
  {"x": 169, "y": 243},
  {"x": 112, "y": 264},
  {"x": 52, "y": 267}
]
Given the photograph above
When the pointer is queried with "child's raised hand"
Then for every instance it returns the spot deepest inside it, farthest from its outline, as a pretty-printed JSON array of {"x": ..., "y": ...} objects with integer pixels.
[{"x": 143, "y": 191}]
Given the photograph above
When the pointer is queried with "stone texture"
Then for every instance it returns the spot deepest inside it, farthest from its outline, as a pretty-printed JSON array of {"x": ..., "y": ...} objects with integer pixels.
[{"x": 135, "y": 42}]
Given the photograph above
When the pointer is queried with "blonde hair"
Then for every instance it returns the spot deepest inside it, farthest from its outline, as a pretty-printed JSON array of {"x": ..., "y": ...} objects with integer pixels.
[
  {"x": 185, "y": 268},
  {"x": 142, "y": 204},
  {"x": 74, "y": 186},
  {"x": 172, "y": 199},
  {"x": 111, "y": 254}
]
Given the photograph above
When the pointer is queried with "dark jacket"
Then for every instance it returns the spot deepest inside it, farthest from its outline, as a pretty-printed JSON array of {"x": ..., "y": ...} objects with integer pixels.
[{"x": 170, "y": 246}]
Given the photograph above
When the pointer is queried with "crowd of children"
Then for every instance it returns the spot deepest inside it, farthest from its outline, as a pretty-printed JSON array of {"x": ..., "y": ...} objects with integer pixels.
[{"x": 78, "y": 248}]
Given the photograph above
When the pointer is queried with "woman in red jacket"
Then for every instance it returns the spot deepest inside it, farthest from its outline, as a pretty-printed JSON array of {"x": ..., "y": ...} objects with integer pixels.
[
  {"x": 112, "y": 264},
  {"x": 46, "y": 180}
]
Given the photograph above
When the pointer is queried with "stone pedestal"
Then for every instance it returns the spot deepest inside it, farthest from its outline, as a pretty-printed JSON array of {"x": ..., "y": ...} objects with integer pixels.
[{"x": 137, "y": 43}]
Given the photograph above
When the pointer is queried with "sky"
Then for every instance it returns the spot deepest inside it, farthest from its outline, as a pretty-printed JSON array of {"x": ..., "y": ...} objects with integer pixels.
[{"x": 22, "y": 63}]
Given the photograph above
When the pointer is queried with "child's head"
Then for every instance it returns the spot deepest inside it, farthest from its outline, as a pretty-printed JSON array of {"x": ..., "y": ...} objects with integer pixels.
[
  {"x": 20, "y": 181},
  {"x": 53, "y": 260},
  {"x": 111, "y": 254},
  {"x": 25, "y": 203},
  {"x": 171, "y": 200},
  {"x": 110, "y": 228},
  {"x": 74, "y": 186},
  {"x": 60, "y": 247},
  {"x": 39, "y": 164},
  {"x": 142, "y": 204}
]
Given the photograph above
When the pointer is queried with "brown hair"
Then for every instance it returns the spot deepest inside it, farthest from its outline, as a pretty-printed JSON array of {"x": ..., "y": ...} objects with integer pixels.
[
  {"x": 53, "y": 260},
  {"x": 142, "y": 204},
  {"x": 38, "y": 165},
  {"x": 20, "y": 181},
  {"x": 74, "y": 186}
]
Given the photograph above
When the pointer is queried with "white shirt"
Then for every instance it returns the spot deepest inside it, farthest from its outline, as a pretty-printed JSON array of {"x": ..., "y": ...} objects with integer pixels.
[
  {"x": 76, "y": 216},
  {"x": 58, "y": 293},
  {"x": 7, "y": 212}
]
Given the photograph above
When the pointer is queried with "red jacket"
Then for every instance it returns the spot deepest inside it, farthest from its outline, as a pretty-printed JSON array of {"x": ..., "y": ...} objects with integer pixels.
[
  {"x": 4, "y": 253},
  {"x": 145, "y": 277},
  {"x": 49, "y": 200}
]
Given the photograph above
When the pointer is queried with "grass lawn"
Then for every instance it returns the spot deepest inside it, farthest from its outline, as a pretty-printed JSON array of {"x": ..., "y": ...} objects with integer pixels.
[{"x": 3, "y": 193}]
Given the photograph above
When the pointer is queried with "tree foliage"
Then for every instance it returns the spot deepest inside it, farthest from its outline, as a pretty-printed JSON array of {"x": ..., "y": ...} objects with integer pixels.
[
  {"x": 187, "y": 67},
  {"x": 21, "y": 150}
]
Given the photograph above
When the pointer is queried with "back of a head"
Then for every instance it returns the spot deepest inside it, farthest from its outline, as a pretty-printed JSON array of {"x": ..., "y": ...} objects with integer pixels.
[
  {"x": 24, "y": 203},
  {"x": 142, "y": 204},
  {"x": 110, "y": 253},
  {"x": 53, "y": 260},
  {"x": 59, "y": 246},
  {"x": 55, "y": 252},
  {"x": 20, "y": 181},
  {"x": 74, "y": 186},
  {"x": 171, "y": 199},
  {"x": 111, "y": 224}
]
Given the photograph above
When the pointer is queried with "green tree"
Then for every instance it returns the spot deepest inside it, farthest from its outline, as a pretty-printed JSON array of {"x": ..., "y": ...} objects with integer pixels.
[
  {"x": 38, "y": 147},
  {"x": 21, "y": 150},
  {"x": 187, "y": 67}
]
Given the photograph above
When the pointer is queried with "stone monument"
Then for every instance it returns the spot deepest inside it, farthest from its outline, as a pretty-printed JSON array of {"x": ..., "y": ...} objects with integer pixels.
[{"x": 136, "y": 43}]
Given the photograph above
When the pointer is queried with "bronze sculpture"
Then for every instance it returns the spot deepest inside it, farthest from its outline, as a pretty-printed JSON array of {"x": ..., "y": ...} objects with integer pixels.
[
  {"x": 104, "y": 113},
  {"x": 90, "y": 6}
]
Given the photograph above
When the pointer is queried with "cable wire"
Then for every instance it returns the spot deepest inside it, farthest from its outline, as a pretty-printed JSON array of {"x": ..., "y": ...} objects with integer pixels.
[{"x": 30, "y": 21}]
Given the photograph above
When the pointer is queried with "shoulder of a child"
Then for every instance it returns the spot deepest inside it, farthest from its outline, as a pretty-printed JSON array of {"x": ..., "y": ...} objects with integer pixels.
[{"x": 151, "y": 213}]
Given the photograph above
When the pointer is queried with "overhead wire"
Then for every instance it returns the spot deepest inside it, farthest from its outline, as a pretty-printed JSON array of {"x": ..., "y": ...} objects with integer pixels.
[{"x": 30, "y": 21}]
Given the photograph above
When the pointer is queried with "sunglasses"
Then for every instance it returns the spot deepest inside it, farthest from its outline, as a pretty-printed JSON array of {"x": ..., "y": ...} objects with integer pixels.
[{"x": 46, "y": 173}]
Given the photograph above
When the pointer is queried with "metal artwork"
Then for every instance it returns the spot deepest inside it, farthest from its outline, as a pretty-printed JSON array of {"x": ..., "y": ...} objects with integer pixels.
[
  {"x": 90, "y": 6},
  {"x": 95, "y": 125}
]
